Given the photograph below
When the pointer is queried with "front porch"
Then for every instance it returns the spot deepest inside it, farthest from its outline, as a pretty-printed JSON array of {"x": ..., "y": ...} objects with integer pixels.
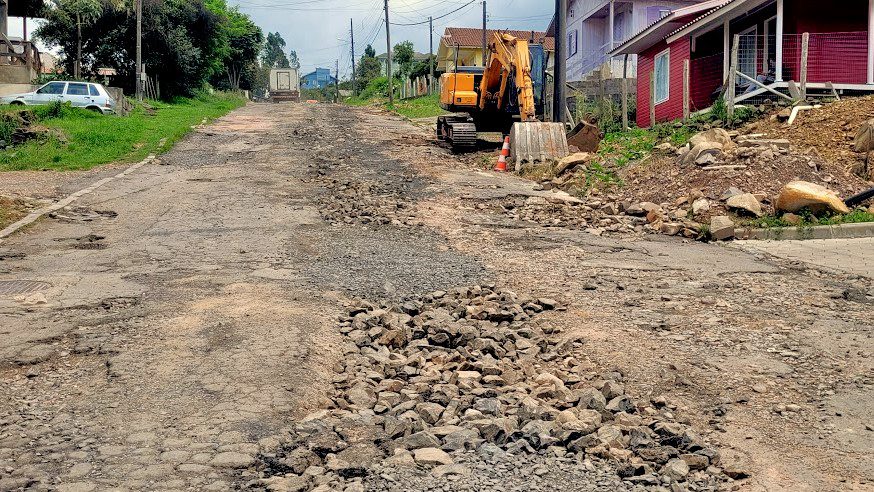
[{"x": 784, "y": 47}]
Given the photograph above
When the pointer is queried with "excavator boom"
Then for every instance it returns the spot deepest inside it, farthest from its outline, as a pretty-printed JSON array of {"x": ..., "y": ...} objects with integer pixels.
[{"x": 504, "y": 100}]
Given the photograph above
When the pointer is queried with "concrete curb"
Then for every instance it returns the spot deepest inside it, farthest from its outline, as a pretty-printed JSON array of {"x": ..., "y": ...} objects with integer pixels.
[
  {"x": 36, "y": 214},
  {"x": 844, "y": 231}
]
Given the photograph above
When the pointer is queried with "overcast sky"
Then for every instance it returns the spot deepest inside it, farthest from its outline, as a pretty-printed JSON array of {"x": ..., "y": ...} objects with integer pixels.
[{"x": 319, "y": 29}]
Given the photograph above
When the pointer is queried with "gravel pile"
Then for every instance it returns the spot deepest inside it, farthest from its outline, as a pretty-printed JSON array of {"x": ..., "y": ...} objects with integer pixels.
[
  {"x": 427, "y": 384},
  {"x": 355, "y": 202},
  {"x": 595, "y": 216}
]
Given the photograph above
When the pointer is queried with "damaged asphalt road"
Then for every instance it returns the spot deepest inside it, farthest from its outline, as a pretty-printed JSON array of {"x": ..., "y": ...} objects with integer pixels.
[{"x": 191, "y": 326}]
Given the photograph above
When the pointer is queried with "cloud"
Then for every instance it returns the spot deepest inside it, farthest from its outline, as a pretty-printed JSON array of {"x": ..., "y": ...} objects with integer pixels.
[{"x": 319, "y": 29}]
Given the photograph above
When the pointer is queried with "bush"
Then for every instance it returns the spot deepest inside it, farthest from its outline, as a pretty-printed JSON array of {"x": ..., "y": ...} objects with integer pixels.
[{"x": 377, "y": 87}]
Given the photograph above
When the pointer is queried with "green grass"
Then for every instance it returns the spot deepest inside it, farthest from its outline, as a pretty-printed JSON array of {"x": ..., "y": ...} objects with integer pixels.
[
  {"x": 418, "y": 107},
  {"x": 83, "y": 139},
  {"x": 809, "y": 220}
]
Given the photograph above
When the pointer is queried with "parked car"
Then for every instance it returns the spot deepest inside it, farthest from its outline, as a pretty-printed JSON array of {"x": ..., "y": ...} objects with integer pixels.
[{"x": 80, "y": 94}]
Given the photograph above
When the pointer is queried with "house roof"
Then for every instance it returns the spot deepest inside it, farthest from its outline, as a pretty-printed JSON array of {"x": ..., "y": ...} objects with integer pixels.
[
  {"x": 668, "y": 25},
  {"x": 724, "y": 9},
  {"x": 468, "y": 37}
]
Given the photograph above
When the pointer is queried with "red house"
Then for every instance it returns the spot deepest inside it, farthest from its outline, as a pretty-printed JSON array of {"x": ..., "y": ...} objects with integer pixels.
[{"x": 699, "y": 39}]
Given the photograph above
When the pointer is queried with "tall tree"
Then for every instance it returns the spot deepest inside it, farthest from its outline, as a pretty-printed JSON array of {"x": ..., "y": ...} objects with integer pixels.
[
  {"x": 185, "y": 42},
  {"x": 293, "y": 60},
  {"x": 74, "y": 13},
  {"x": 369, "y": 52},
  {"x": 274, "y": 52},
  {"x": 403, "y": 55}
]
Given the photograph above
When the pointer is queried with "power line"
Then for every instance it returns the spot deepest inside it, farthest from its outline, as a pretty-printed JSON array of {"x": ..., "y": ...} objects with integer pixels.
[{"x": 447, "y": 14}]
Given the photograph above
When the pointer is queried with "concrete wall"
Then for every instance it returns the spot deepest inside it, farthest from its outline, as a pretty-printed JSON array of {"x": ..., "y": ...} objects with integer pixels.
[
  {"x": 16, "y": 74},
  {"x": 8, "y": 89}
]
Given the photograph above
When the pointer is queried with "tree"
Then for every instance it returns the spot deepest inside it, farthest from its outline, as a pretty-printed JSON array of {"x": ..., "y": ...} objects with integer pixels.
[
  {"x": 293, "y": 60},
  {"x": 368, "y": 67},
  {"x": 274, "y": 52},
  {"x": 186, "y": 43},
  {"x": 423, "y": 68},
  {"x": 73, "y": 13},
  {"x": 240, "y": 41},
  {"x": 403, "y": 55}
]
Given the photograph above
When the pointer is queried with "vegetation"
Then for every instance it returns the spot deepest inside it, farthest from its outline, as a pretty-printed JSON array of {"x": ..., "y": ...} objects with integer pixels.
[
  {"x": 186, "y": 43},
  {"x": 419, "y": 107},
  {"x": 81, "y": 139},
  {"x": 368, "y": 69},
  {"x": 808, "y": 219}
]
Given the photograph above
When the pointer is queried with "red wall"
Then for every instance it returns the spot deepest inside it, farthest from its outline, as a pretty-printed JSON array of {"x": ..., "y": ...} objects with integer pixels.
[
  {"x": 671, "y": 109},
  {"x": 706, "y": 76}
]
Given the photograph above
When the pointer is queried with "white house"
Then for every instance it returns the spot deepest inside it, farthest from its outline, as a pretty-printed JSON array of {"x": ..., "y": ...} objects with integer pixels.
[{"x": 595, "y": 27}]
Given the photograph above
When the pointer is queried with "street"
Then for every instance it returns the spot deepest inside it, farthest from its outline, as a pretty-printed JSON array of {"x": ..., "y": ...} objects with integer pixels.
[{"x": 179, "y": 323}]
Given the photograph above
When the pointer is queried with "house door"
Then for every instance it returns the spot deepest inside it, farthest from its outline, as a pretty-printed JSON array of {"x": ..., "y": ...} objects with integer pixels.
[
  {"x": 747, "y": 52},
  {"x": 283, "y": 81}
]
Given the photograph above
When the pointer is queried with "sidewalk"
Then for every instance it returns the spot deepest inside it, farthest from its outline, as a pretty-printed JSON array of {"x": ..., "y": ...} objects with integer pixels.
[{"x": 854, "y": 256}]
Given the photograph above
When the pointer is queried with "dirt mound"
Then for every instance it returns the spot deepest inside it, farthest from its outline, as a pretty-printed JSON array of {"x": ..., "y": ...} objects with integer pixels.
[{"x": 827, "y": 132}]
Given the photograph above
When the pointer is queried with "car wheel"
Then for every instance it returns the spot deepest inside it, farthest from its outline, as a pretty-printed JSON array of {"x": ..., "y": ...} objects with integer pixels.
[
  {"x": 95, "y": 109},
  {"x": 16, "y": 103}
]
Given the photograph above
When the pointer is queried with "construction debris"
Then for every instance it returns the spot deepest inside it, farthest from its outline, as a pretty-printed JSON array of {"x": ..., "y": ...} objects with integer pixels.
[{"x": 474, "y": 370}]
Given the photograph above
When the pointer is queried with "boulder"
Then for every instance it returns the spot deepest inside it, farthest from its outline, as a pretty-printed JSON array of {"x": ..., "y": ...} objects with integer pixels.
[
  {"x": 700, "y": 206},
  {"x": 716, "y": 136},
  {"x": 692, "y": 157},
  {"x": 572, "y": 161},
  {"x": 747, "y": 203},
  {"x": 721, "y": 228},
  {"x": 432, "y": 456},
  {"x": 730, "y": 193},
  {"x": 676, "y": 469},
  {"x": 800, "y": 194}
]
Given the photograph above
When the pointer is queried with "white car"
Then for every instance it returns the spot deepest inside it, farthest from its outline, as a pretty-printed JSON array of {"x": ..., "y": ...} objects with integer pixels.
[{"x": 80, "y": 94}]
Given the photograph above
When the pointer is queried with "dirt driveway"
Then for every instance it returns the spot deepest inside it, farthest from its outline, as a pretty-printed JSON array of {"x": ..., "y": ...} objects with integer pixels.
[{"x": 169, "y": 330}]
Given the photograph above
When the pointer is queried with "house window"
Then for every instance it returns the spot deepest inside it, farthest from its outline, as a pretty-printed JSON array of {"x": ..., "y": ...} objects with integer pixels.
[
  {"x": 663, "y": 76},
  {"x": 573, "y": 38},
  {"x": 654, "y": 14}
]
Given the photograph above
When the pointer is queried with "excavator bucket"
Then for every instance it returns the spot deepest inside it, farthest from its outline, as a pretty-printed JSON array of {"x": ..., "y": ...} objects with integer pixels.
[
  {"x": 586, "y": 136},
  {"x": 536, "y": 142}
]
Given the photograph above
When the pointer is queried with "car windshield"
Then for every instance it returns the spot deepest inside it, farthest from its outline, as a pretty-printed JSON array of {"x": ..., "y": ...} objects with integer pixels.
[{"x": 52, "y": 88}]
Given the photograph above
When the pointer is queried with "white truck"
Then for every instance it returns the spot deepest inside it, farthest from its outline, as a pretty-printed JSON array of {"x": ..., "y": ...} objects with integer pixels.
[{"x": 284, "y": 85}]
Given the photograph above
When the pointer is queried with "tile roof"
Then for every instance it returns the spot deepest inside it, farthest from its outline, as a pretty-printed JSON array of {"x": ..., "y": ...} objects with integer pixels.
[{"x": 468, "y": 37}]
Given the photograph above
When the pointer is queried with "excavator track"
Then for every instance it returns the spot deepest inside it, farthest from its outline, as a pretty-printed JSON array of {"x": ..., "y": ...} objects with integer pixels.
[
  {"x": 459, "y": 132},
  {"x": 462, "y": 136}
]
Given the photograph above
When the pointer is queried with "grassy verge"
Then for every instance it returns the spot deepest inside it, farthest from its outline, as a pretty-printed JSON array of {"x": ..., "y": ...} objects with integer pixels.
[
  {"x": 417, "y": 107},
  {"x": 10, "y": 211},
  {"x": 80, "y": 139},
  {"x": 857, "y": 216}
]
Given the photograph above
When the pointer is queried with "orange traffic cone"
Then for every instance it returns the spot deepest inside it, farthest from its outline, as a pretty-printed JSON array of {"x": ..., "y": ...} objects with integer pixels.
[{"x": 502, "y": 160}]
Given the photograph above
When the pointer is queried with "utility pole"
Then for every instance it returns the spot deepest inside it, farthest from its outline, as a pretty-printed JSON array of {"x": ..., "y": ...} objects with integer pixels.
[
  {"x": 485, "y": 42},
  {"x": 352, "y": 36},
  {"x": 139, "y": 70},
  {"x": 431, "y": 52},
  {"x": 391, "y": 97},
  {"x": 337, "y": 80},
  {"x": 559, "y": 98}
]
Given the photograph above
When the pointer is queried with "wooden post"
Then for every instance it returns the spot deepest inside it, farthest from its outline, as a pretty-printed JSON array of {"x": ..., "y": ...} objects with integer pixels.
[
  {"x": 732, "y": 78},
  {"x": 686, "y": 70},
  {"x": 652, "y": 87},
  {"x": 624, "y": 85},
  {"x": 805, "y": 46}
]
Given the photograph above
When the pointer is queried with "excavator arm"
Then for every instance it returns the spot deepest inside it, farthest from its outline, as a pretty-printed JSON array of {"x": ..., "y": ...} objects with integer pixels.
[{"x": 509, "y": 58}]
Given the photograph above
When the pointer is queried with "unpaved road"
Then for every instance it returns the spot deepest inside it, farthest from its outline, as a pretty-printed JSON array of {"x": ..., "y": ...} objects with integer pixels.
[{"x": 187, "y": 314}]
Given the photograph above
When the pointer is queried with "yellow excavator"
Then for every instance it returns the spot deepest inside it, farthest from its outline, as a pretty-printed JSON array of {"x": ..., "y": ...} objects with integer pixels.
[{"x": 506, "y": 96}]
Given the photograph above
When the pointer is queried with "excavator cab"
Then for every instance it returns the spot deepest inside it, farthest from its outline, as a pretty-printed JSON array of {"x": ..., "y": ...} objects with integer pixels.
[{"x": 506, "y": 96}]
